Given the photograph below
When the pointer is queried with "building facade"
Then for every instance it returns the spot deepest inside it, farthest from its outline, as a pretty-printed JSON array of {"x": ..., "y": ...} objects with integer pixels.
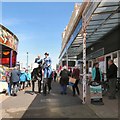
[
  {"x": 8, "y": 47},
  {"x": 101, "y": 23}
]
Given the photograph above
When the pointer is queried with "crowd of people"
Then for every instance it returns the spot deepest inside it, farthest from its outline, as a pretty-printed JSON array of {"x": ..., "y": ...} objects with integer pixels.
[
  {"x": 17, "y": 80},
  {"x": 20, "y": 79},
  {"x": 43, "y": 74},
  {"x": 111, "y": 75}
]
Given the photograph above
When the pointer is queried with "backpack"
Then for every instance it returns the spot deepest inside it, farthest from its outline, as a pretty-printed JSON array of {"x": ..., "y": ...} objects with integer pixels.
[{"x": 64, "y": 74}]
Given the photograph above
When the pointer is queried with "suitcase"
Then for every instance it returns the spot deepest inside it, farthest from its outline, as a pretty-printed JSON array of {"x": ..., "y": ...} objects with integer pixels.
[{"x": 96, "y": 93}]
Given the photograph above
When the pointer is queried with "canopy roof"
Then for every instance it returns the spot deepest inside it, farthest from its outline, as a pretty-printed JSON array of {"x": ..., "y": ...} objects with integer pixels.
[{"x": 101, "y": 17}]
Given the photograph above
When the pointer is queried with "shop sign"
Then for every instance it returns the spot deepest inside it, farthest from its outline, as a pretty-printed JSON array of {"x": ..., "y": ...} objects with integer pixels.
[{"x": 8, "y": 40}]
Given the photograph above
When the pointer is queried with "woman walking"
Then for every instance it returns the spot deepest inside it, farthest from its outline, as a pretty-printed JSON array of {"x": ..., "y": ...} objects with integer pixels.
[
  {"x": 76, "y": 75},
  {"x": 23, "y": 78}
]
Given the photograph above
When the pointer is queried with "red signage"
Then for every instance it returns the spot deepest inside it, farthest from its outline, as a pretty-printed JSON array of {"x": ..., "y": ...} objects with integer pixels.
[{"x": 8, "y": 40}]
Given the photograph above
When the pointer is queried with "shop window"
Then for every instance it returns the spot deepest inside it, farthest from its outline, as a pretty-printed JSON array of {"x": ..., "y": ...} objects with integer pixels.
[
  {"x": 119, "y": 53},
  {"x": 115, "y": 59}
]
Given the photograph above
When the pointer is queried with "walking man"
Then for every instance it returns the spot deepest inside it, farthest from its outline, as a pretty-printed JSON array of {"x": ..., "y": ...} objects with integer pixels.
[
  {"x": 76, "y": 75},
  {"x": 64, "y": 79},
  {"x": 112, "y": 78},
  {"x": 38, "y": 60},
  {"x": 15, "y": 77}
]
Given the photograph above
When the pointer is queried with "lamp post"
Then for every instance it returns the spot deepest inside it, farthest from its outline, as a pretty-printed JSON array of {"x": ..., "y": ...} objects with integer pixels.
[{"x": 27, "y": 60}]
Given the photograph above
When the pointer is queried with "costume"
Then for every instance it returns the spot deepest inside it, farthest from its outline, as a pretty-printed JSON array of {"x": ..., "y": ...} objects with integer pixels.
[{"x": 47, "y": 67}]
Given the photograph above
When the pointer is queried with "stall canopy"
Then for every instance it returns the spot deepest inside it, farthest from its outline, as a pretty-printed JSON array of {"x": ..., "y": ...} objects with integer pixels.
[{"x": 101, "y": 17}]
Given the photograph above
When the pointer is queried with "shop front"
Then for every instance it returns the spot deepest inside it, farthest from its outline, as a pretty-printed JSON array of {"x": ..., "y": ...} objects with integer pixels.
[
  {"x": 103, "y": 50},
  {"x": 8, "y": 54}
]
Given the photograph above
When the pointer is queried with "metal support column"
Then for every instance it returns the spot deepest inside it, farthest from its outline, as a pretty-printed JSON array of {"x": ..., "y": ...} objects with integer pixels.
[
  {"x": 11, "y": 54},
  {"x": 84, "y": 59},
  {"x": 118, "y": 56},
  {"x": 66, "y": 59},
  {"x": 84, "y": 68}
]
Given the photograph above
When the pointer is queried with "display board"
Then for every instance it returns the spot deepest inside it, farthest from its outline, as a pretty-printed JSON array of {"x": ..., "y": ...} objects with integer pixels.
[{"x": 8, "y": 39}]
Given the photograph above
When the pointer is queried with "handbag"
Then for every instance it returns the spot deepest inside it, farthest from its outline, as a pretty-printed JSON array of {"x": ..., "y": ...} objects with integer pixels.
[
  {"x": 71, "y": 84},
  {"x": 72, "y": 80}
]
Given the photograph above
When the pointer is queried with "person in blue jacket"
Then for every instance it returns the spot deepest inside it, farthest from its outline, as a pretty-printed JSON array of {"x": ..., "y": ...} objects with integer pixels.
[
  {"x": 47, "y": 72},
  {"x": 28, "y": 78},
  {"x": 96, "y": 73},
  {"x": 47, "y": 66},
  {"x": 23, "y": 78}
]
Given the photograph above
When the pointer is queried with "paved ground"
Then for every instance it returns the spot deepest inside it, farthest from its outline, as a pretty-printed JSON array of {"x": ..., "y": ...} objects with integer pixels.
[{"x": 55, "y": 105}]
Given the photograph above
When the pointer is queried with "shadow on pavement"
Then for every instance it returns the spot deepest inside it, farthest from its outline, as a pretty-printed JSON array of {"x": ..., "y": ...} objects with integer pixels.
[{"x": 53, "y": 105}]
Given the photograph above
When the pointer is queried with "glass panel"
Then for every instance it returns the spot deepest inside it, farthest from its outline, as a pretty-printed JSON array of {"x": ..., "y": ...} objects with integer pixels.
[
  {"x": 106, "y": 3},
  {"x": 95, "y": 36},
  {"x": 96, "y": 22},
  {"x": 91, "y": 39},
  {"x": 112, "y": 21},
  {"x": 99, "y": 33},
  {"x": 102, "y": 29},
  {"x": 99, "y": 17},
  {"x": 92, "y": 27},
  {"x": 89, "y": 30},
  {"x": 105, "y": 9},
  {"x": 110, "y": 25},
  {"x": 117, "y": 15}
]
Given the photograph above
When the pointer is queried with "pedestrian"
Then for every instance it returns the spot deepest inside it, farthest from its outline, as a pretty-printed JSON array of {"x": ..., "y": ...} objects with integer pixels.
[
  {"x": 15, "y": 78},
  {"x": 70, "y": 70},
  {"x": 76, "y": 75},
  {"x": 112, "y": 79},
  {"x": 28, "y": 74},
  {"x": 36, "y": 75},
  {"x": 47, "y": 66},
  {"x": 64, "y": 79},
  {"x": 38, "y": 60},
  {"x": 8, "y": 80},
  {"x": 47, "y": 72},
  {"x": 96, "y": 73},
  {"x": 54, "y": 75},
  {"x": 23, "y": 79}
]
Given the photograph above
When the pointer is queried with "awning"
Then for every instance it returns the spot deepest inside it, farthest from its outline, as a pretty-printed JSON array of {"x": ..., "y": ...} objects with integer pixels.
[{"x": 102, "y": 17}]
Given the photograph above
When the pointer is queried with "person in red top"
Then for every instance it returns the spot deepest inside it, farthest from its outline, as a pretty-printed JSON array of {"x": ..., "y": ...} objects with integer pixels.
[{"x": 76, "y": 75}]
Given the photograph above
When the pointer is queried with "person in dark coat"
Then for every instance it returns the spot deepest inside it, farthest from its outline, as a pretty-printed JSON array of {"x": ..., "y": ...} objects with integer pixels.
[
  {"x": 15, "y": 78},
  {"x": 36, "y": 75},
  {"x": 54, "y": 75},
  {"x": 76, "y": 75},
  {"x": 64, "y": 79},
  {"x": 38, "y": 60},
  {"x": 112, "y": 79}
]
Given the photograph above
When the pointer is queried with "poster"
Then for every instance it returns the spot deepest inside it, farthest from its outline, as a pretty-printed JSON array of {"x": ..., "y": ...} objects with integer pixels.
[{"x": 96, "y": 92}]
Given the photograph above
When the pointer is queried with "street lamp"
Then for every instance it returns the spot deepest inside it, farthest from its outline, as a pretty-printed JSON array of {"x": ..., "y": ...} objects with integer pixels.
[{"x": 27, "y": 60}]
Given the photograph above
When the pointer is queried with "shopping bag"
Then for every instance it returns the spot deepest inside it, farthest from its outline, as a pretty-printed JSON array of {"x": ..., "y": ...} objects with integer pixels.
[
  {"x": 72, "y": 80},
  {"x": 71, "y": 84}
]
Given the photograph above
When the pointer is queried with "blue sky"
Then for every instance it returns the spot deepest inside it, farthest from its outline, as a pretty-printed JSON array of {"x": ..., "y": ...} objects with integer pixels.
[{"x": 38, "y": 26}]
